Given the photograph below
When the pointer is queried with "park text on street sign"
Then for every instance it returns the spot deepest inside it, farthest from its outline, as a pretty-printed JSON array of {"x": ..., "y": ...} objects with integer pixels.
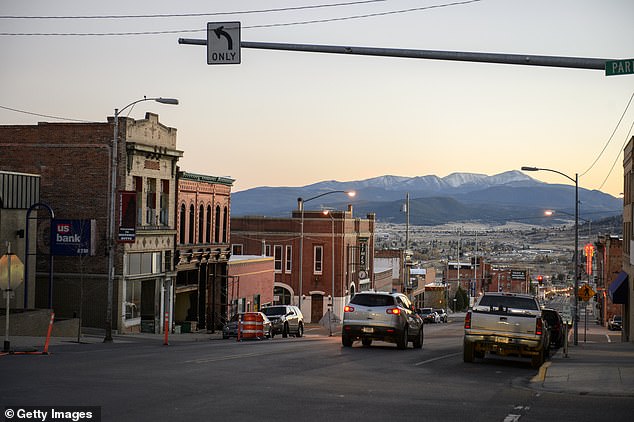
[
  {"x": 223, "y": 42},
  {"x": 619, "y": 67}
]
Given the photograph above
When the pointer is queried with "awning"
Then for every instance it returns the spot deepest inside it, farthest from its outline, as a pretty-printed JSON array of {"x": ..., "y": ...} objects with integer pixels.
[{"x": 618, "y": 288}]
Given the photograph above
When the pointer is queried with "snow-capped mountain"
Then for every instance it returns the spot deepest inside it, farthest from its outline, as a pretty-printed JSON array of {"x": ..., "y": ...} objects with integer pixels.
[{"x": 507, "y": 196}]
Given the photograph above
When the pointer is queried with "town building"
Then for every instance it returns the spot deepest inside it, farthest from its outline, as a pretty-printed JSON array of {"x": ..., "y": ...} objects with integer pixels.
[
  {"x": 621, "y": 290},
  {"x": 203, "y": 250},
  {"x": 321, "y": 258},
  {"x": 74, "y": 162},
  {"x": 608, "y": 267}
]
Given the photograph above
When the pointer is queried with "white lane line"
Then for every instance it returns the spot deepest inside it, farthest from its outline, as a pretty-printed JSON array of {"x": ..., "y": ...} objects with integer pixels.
[
  {"x": 609, "y": 339},
  {"x": 512, "y": 418},
  {"x": 437, "y": 358}
]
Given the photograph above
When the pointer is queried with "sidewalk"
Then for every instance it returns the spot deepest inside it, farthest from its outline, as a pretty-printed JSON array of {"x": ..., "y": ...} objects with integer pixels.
[{"x": 593, "y": 367}]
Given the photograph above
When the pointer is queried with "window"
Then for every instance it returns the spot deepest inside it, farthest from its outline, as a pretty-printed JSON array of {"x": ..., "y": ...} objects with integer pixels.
[
  {"x": 225, "y": 221},
  {"x": 138, "y": 187},
  {"x": 318, "y": 256},
  {"x": 208, "y": 226},
  {"x": 192, "y": 219},
  {"x": 165, "y": 199},
  {"x": 132, "y": 299},
  {"x": 267, "y": 249},
  {"x": 217, "y": 230},
  {"x": 144, "y": 263},
  {"x": 182, "y": 224},
  {"x": 289, "y": 258},
  {"x": 278, "y": 258},
  {"x": 236, "y": 249},
  {"x": 201, "y": 223},
  {"x": 150, "y": 218}
]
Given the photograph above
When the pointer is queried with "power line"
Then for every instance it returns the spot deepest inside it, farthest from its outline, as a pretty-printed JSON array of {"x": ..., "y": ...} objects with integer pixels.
[
  {"x": 618, "y": 155},
  {"x": 306, "y": 22},
  {"x": 185, "y": 15},
  {"x": 610, "y": 139},
  {"x": 45, "y": 115}
]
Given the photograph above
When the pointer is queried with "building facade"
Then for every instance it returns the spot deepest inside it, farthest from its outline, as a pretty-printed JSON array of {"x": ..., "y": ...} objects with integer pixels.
[
  {"x": 74, "y": 163},
  {"x": 320, "y": 258},
  {"x": 202, "y": 249},
  {"x": 621, "y": 291}
]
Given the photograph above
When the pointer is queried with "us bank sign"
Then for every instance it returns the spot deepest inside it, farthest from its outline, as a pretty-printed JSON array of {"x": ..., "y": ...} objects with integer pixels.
[{"x": 73, "y": 237}]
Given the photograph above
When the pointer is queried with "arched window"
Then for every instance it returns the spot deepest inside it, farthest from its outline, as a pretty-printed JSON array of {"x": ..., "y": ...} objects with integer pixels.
[
  {"x": 181, "y": 219},
  {"x": 217, "y": 230},
  {"x": 192, "y": 219},
  {"x": 201, "y": 223},
  {"x": 225, "y": 218},
  {"x": 208, "y": 227}
]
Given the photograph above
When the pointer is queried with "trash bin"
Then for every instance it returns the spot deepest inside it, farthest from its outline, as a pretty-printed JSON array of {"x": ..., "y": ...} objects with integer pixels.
[{"x": 186, "y": 327}]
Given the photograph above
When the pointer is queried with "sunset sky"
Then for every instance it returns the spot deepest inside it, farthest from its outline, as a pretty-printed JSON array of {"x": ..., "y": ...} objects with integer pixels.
[{"x": 291, "y": 118}]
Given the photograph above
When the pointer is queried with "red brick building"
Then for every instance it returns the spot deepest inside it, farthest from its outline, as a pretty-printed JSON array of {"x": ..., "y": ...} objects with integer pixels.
[
  {"x": 202, "y": 249},
  {"x": 337, "y": 249},
  {"x": 251, "y": 279},
  {"x": 608, "y": 264},
  {"x": 74, "y": 162}
]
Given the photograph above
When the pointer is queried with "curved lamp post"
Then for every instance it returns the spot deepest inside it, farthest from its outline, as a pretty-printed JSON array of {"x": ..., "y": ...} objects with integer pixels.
[
  {"x": 301, "y": 203},
  {"x": 111, "y": 205},
  {"x": 576, "y": 258}
]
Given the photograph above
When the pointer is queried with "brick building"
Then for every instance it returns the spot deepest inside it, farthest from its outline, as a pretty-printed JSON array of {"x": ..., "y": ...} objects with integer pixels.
[
  {"x": 251, "y": 279},
  {"x": 202, "y": 249},
  {"x": 621, "y": 291},
  {"x": 337, "y": 250},
  {"x": 608, "y": 267},
  {"x": 74, "y": 164}
]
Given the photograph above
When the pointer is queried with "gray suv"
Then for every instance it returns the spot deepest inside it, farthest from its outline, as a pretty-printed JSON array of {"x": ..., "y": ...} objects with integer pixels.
[
  {"x": 285, "y": 320},
  {"x": 381, "y": 316}
]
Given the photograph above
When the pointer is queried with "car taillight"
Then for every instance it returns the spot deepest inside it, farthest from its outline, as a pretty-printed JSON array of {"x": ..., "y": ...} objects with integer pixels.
[
  {"x": 467, "y": 320},
  {"x": 348, "y": 308},
  {"x": 393, "y": 311},
  {"x": 539, "y": 325}
]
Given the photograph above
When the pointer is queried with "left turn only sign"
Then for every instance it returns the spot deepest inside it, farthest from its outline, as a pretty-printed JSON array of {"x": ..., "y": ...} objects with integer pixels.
[{"x": 223, "y": 42}]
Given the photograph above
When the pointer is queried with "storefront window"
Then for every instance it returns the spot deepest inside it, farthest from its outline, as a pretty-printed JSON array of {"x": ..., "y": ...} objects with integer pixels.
[{"x": 132, "y": 299}]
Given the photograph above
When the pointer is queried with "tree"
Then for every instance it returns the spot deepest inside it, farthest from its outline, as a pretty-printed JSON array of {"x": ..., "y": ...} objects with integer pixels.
[{"x": 462, "y": 300}]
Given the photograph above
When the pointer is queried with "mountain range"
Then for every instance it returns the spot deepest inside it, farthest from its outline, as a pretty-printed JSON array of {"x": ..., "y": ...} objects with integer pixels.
[{"x": 458, "y": 197}]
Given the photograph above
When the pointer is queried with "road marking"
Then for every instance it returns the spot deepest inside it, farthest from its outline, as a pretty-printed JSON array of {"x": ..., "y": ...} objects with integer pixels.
[
  {"x": 437, "y": 358},
  {"x": 512, "y": 418},
  {"x": 609, "y": 339},
  {"x": 229, "y": 357}
]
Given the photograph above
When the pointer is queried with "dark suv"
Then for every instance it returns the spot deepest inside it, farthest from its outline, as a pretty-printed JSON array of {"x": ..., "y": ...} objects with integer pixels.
[
  {"x": 381, "y": 316},
  {"x": 285, "y": 319}
]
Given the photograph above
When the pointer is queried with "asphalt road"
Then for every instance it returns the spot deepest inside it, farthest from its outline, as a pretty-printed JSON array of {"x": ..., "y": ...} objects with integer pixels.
[{"x": 307, "y": 379}]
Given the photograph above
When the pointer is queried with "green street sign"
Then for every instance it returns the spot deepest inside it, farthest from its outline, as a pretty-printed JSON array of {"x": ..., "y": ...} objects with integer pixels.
[{"x": 619, "y": 67}]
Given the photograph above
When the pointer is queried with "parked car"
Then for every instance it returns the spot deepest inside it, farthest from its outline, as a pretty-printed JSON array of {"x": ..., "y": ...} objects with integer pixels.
[
  {"x": 555, "y": 326},
  {"x": 615, "y": 323},
  {"x": 230, "y": 329},
  {"x": 442, "y": 314},
  {"x": 381, "y": 316},
  {"x": 428, "y": 315},
  {"x": 285, "y": 320}
]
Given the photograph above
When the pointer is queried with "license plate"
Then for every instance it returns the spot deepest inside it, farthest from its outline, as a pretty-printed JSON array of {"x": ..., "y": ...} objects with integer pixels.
[
  {"x": 502, "y": 340},
  {"x": 368, "y": 330}
]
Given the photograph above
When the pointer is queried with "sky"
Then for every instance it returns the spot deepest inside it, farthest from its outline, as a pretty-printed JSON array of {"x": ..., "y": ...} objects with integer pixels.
[{"x": 295, "y": 118}]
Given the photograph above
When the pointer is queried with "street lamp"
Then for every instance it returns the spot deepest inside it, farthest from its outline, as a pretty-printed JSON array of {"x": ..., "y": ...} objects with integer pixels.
[
  {"x": 332, "y": 266},
  {"x": 111, "y": 206},
  {"x": 300, "y": 203},
  {"x": 576, "y": 302}
]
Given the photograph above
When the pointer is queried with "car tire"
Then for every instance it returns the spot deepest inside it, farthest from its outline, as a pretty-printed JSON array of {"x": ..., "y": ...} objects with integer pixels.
[
  {"x": 468, "y": 352},
  {"x": 285, "y": 331},
  {"x": 537, "y": 360},
  {"x": 367, "y": 342},
  {"x": 401, "y": 344},
  {"x": 300, "y": 330},
  {"x": 418, "y": 341},
  {"x": 271, "y": 333},
  {"x": 346, "y": 341}
]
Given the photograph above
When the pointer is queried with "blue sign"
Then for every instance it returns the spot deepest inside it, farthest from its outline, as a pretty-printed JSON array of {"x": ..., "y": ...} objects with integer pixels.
[{"x": 73, "y": 237}]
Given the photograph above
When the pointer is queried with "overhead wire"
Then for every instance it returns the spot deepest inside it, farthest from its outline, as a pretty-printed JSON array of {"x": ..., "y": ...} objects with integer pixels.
[
  {"x": 45, "y": 115},
  {"x": 182, "y": 15},
  {"x": 306, "y": 22},
  {"x": 618, "y": 155}
]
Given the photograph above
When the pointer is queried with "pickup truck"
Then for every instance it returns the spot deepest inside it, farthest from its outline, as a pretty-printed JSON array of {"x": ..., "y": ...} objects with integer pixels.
[{"x": 506, "y": 324}]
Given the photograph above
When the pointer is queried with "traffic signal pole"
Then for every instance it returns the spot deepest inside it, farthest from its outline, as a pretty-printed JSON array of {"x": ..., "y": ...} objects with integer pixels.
[{"x": 516, "y": 59}]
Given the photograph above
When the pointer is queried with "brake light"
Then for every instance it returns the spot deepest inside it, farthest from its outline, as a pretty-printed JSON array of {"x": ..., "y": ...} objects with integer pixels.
[
  {"x": 348, "y": 308},
  {"x": 467, "y": 321},
  {"x": 539, "y": 326},
  {"x": 393, "y": 311}
]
